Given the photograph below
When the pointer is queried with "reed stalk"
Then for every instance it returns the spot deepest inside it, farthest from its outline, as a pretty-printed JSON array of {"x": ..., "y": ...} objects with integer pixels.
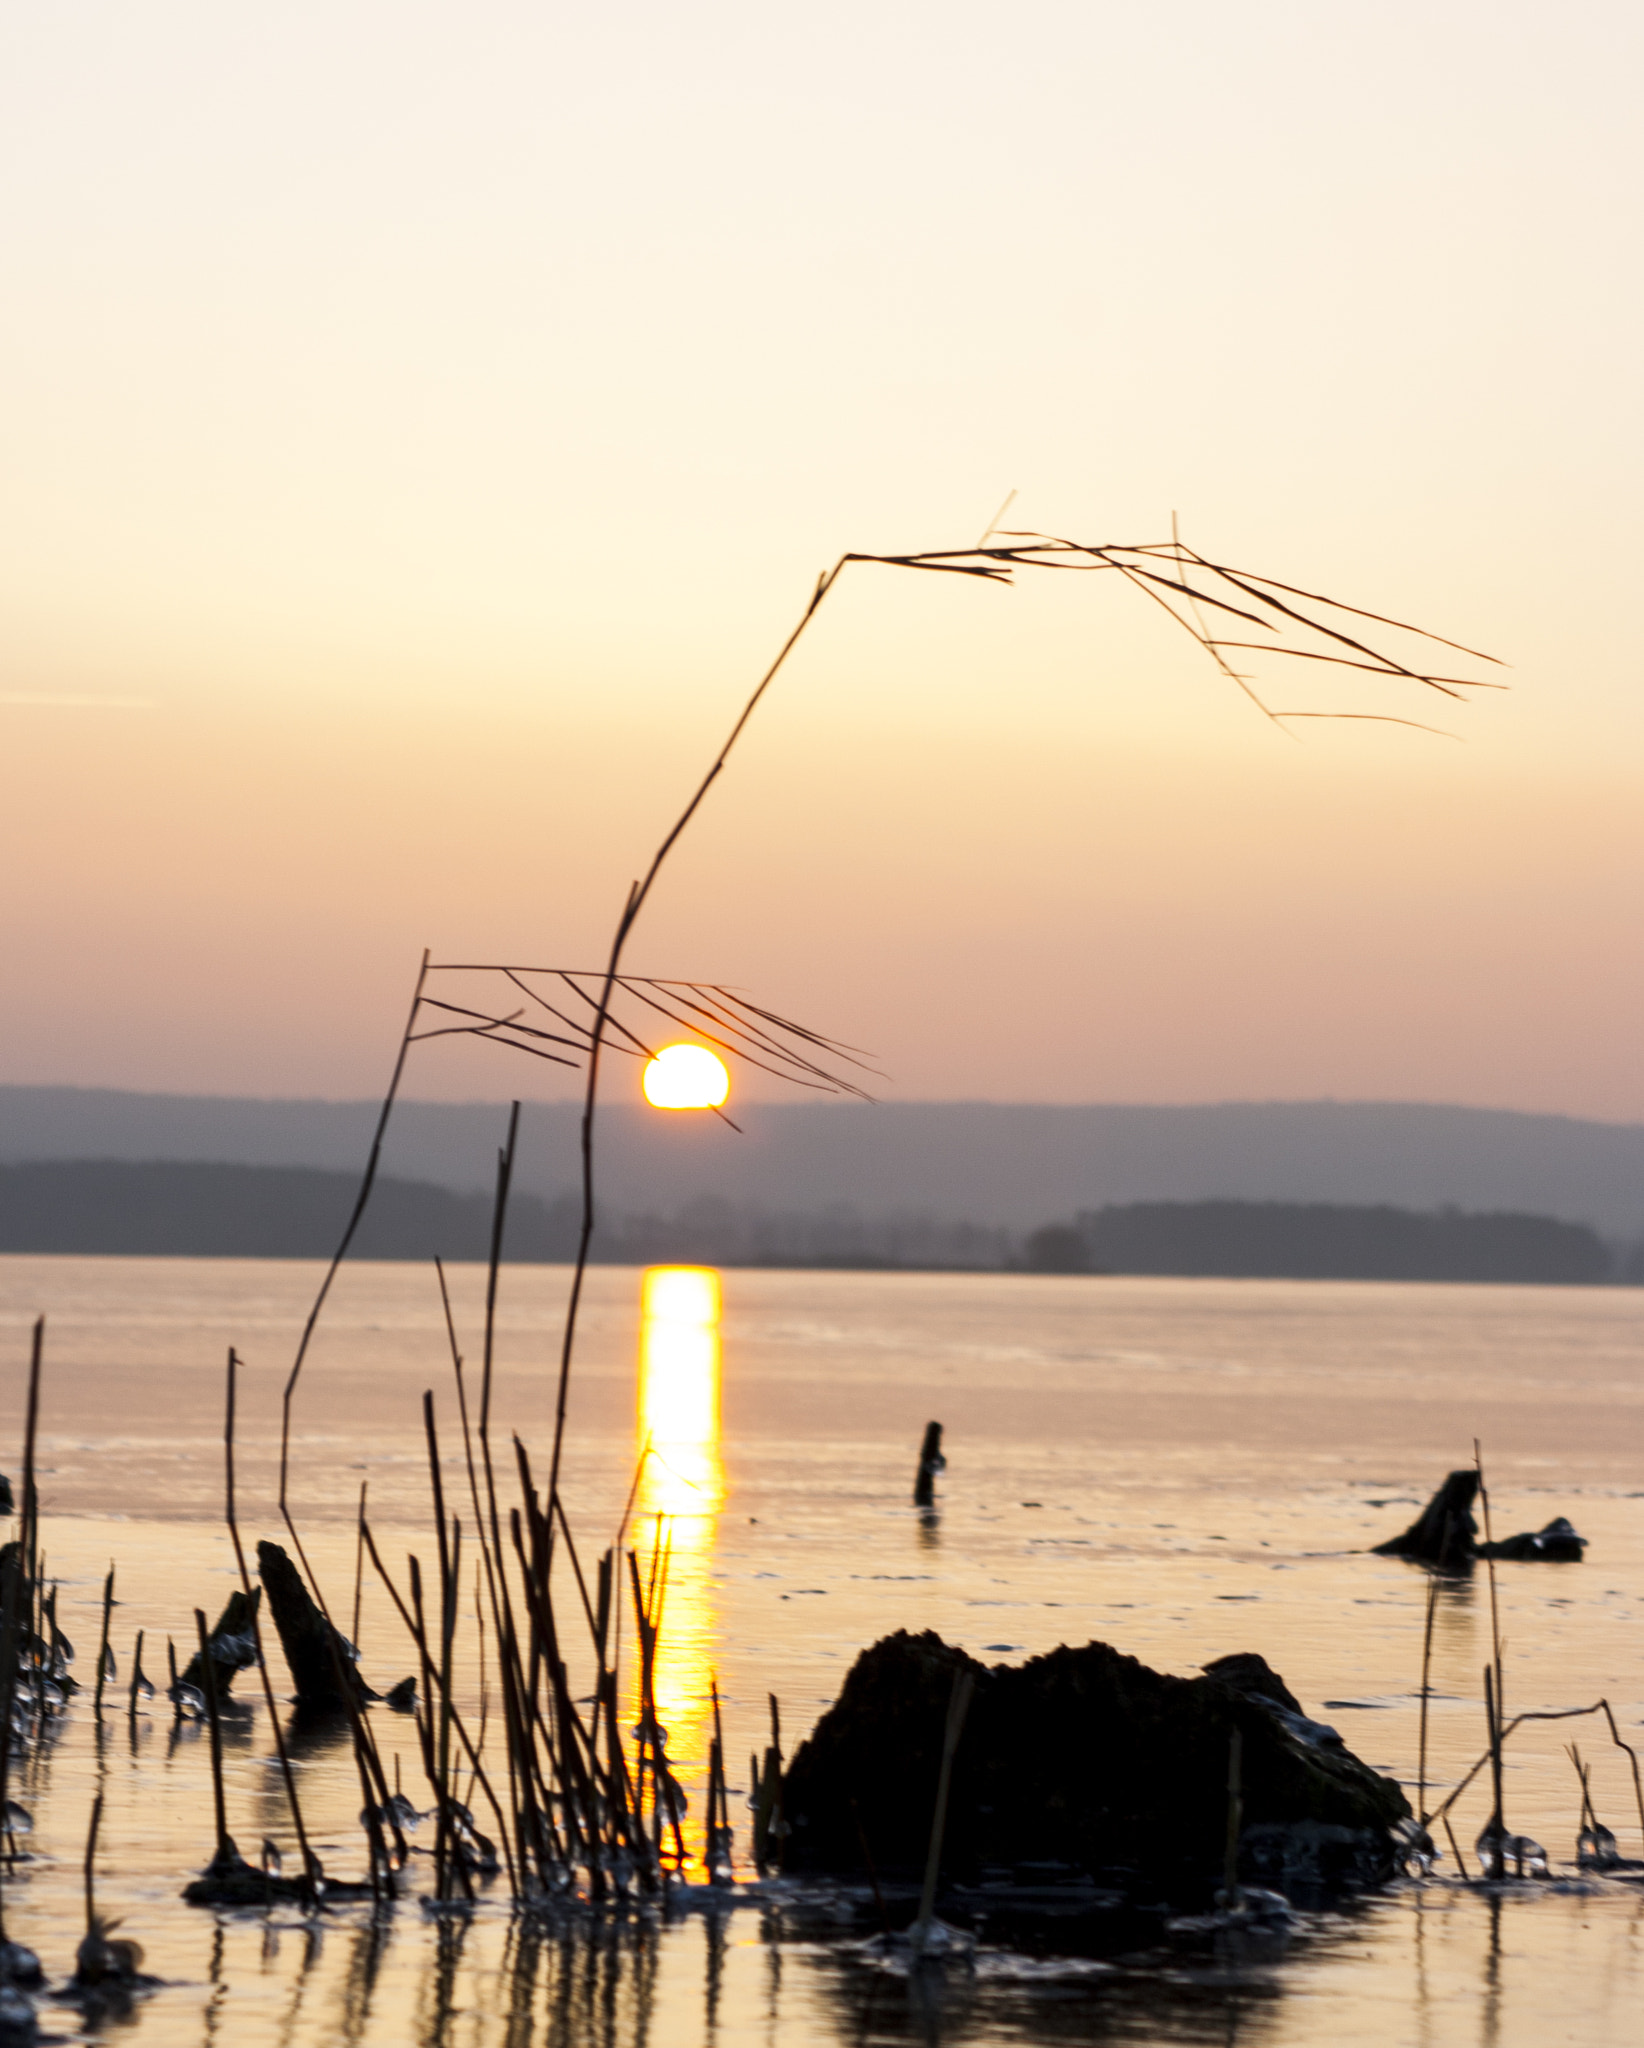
[
  {"x": 102, "y": 1643},
  {"x": 313, "y": 1876},
  {"x": 964, "y": 1683},
  {"x": 418, "y": 1636},
  {"x": 571, "y": 1795},
  {"x": 31, "y": 1500},
  {"x": 359, "y": 1566},
  {"x": 367, "y": 1182},
  {"x": 1497, "y": 1826},
  {"x": 137, "y": 1681},
  {"x": 1490, "y": 1565},
  {"x": 1500, "y": 1738},
  {"x": 18, "y": 1597},
  {"x": 1632, "y": 1758},
  {"x": 1426, "y": 1695},
  {"x": 208, "y": 1685}
]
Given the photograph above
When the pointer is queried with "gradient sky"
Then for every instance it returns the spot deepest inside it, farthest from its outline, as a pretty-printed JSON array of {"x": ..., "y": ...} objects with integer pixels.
[{"x": 422, "y": 423}]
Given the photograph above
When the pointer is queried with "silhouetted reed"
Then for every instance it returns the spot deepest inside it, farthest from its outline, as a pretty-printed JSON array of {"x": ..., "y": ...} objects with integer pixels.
[
  {"x": 582, "y": 1808},
  {"x": 587, "y": 1011}
]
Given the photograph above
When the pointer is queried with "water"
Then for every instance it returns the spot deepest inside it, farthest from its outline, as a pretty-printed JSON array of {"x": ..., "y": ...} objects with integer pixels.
[{"x": 1181, "y": 1468}]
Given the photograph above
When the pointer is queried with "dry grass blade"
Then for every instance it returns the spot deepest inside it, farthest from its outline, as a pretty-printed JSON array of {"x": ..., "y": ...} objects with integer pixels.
[
  {"x": 759, "y": 1038},
  {"x": 1371, "y": 718},
  {"x": 1377, "y": 618}
]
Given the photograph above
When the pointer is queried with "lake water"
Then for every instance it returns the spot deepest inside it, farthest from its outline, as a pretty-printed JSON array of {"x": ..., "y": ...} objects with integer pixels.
[{"x": 1180, "y": 1468}]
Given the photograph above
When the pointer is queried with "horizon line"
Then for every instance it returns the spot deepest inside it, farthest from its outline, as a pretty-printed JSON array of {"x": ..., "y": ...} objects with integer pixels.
[{"x": 567, "y": 1102}]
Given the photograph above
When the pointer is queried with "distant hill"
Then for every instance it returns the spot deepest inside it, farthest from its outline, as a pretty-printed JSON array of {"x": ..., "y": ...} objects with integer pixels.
[
  {"x": 1322, "y": 1241},
  {"x": 998, "y": 1166},
  {"x": 195, "y": 1210},
  {"x": 198, "y": 1209}
]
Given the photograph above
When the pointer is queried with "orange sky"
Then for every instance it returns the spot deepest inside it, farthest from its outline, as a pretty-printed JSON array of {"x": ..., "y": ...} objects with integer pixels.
[{"x": 424, "y": 423}]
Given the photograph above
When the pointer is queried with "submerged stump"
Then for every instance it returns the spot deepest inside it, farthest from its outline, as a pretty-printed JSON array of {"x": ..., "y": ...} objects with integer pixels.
[
  {"x": 1082, "y": 1763},
  {"x": 1558, "y": 1543},
  {"x": 1446, "y": 1534},
  {"x": 931, "y": 1461},
  {"x": 232, "y": 1644},
  {"x": 316, "y": 1654}
]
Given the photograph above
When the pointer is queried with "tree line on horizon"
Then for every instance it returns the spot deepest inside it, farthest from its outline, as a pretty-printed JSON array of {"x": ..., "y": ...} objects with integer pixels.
[{"x": 188, "y": 1209}]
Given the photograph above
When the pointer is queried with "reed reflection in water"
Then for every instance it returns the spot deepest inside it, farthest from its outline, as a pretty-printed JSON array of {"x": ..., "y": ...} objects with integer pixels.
[{"x": 681, "y": 1490}]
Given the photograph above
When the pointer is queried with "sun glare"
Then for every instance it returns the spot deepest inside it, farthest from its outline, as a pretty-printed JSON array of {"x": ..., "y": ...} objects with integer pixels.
[
  {"x": 686, "y": 1077},
  {"x": 681, "y": 1491}
]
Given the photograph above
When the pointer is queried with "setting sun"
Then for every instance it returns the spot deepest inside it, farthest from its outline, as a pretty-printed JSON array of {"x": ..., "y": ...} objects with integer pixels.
[{"x": 686, "y": 1077}]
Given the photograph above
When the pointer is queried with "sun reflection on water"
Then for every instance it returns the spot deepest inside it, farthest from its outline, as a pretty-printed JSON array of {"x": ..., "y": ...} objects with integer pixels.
[{"x": 681, "y": 1489}]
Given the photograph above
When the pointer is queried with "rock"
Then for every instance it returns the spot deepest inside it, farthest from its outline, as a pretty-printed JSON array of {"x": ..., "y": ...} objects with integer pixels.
[
  {"x": 103, "y": 1959},
  {"x": 1255, "y": 1678},
  {"x": 1084, "y": 1759},
  {"x": 20, "y": 1965},
  {"x": 307, "y": 1638},
  {"x": 228, "y": 1880},
  {"x": 1444, "y": 1532},
  {"x": 232, "y": 1643},
  {"x": 19, "y": 2026}
]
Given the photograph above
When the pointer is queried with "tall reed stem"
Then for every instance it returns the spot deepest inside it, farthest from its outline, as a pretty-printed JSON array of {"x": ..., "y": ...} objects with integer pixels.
[{"x": 311, "y": 1863}]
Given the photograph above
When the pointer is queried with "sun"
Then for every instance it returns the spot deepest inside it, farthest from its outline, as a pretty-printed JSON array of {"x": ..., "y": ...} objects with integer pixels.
[{"x": 686, "y": 1077}]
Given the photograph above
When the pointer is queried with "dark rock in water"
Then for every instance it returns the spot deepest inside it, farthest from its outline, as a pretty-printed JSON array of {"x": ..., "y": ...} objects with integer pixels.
[
  {"x": 402, "y": 1697},
  {"x": 19, "y": 2025},
  {"x": 228, "y": 1880},
  {"x": 1444, "y": 1532},
  {"x": 1255, "y": 1678},
  {"x": 313, "y": 1648},
  {"x": 1558, "y": 1543},
  {"x": 20, "y": 1965},
  {"x": 104, "y": 1958},
  {"x": 1084, "y": 1759},
  {"x": 232, "y": 1643},
  {"x": 6, "y": 1504}
]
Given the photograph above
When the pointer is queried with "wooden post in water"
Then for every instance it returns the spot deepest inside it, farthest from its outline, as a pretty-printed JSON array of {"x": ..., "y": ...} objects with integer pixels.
[{"x": 931, "y": 1461}]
